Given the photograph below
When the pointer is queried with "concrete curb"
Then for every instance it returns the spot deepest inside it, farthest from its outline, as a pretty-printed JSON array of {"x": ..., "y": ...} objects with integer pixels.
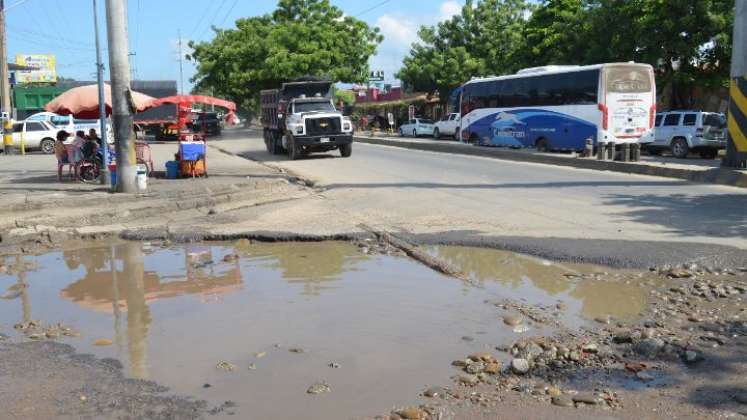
[{"x": 706, "y": 176}]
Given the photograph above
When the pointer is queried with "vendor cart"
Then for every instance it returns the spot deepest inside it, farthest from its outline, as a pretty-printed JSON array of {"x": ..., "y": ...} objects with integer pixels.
[{"x": 192, "y": 154}]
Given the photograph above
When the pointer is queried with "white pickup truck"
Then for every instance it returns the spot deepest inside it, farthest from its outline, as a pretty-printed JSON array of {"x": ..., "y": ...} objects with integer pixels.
[{"x": 448, "y": 126}]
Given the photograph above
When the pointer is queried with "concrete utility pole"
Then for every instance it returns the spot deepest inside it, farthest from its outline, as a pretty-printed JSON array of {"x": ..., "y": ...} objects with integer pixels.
[
  {"x": 5, "y": 83},
  {"x": 122, "y": 112},
  {"x": 736, "y": 151},
  {"x": 105, "y": 176}
]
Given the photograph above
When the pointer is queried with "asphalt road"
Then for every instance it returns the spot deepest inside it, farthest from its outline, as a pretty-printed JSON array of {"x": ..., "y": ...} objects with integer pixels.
[{"x": 444, "y": 197}]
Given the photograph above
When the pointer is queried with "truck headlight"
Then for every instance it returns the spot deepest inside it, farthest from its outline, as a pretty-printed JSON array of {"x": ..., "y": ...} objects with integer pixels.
[
  {"x": 299, "y": 129},
  {"x": 347, "y": 125}
]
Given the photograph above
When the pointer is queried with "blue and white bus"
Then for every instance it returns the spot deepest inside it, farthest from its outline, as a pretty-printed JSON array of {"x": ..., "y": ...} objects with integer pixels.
[{"x": 560, "y": 107}]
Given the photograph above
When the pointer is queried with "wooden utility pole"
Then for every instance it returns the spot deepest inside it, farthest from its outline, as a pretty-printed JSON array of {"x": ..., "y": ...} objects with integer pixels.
[
  {"x": 122, "y": 103},
  {"x": 5, "y": 84},
  {"x": 736, "y": 149}
]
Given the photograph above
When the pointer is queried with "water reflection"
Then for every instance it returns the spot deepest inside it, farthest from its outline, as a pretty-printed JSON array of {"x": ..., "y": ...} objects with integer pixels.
[
  {"x": 316, "y": 266},
  {"x": 597, "y": 297},
  {"x": 20, "y": 289},
  {"x": 116, "y": 281}
]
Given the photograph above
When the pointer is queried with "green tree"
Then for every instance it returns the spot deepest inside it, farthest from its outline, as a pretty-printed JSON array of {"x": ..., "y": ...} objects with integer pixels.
[
  {"x": 554, "y": 34},
  {"x": 484, "y": 39},
  {"x": 301, "y": 37},
  {"x": 646, "y": 31}
]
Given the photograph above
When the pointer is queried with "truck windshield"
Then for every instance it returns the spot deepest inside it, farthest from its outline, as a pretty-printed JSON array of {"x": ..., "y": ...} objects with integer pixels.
[{"x": 301, "y": 107}]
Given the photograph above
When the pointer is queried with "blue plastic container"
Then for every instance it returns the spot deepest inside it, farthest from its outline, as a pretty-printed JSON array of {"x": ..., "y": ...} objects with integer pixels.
[
  {"x": 192, "y": 151},
  {"x": 172, "y": 169},
  {"x": 113, "y": 175}
]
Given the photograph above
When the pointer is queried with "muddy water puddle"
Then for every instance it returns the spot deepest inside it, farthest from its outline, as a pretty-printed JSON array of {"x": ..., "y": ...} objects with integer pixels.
[
  {"x": 587, "y": 292},
  {"x": 262, "y": 328}
]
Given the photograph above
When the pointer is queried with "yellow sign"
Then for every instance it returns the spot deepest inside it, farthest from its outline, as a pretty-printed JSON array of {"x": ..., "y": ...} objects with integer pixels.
[{"x": 45, "y": 64}]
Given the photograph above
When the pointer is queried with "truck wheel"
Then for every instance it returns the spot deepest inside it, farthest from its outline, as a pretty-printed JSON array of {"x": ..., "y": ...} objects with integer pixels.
[
  {"x": 346, "y": 150},
  {"x": 277, "y": 145},
  {"x": 436, "y": 134},
  {"x": 293, "y": 152},
  {"x": 680, "y": 149},
  {"x": 709, "y": 154}
]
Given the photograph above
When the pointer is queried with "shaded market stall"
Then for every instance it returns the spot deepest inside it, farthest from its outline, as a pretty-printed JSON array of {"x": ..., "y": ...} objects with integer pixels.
[{"x": 191, "y": 158}]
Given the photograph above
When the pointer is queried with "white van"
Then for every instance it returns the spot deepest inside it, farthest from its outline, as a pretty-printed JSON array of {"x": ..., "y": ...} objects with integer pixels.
[{"x": 71, "y": 125}]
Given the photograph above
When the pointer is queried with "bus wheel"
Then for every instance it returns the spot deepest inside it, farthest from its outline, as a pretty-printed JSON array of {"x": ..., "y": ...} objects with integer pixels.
[
  {"x": 542, "y": 146},
  {"x": 474, "y": 139}
]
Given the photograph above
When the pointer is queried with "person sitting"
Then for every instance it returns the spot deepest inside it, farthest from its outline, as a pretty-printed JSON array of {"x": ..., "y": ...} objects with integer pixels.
[
  {"x": 92, "y": 135},
  {"x": 89, "y": 149},
  {"x": 60, "y": 152}
]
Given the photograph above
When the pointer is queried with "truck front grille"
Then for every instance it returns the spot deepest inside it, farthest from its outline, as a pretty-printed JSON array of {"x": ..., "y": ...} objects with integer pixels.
[{"x": 322, "y": 126}]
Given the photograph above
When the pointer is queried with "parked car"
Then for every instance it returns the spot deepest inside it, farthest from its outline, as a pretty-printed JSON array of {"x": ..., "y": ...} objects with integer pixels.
[
  {"x": 71, "y": 125},
  {"x": 448, "y": 126},
  {"x": 37, "y": 135},
  {"x": 417, "y": 127},
  {"x": 684, "y": 132}
]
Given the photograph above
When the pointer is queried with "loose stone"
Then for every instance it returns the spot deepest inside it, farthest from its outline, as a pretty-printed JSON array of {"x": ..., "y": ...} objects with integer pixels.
[
  {"x": 412, "y": 413},
  {"x": 512, "y": 320},
  {"x": 586, "y": 398},
  {"x": 319, "y": 388},
  {"x": 562, "y": 401},
  {"x": 468, "y": 379},
  {"x": 520, "y": 366},
  {"x": 433, "y": 392}
]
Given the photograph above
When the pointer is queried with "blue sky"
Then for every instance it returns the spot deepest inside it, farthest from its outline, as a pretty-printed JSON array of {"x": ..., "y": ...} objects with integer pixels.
[{"x": 65, "y": 28}]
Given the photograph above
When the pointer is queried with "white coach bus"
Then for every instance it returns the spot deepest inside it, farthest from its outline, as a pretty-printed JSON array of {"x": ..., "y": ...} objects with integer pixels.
[{"x": 561, "y": 107}]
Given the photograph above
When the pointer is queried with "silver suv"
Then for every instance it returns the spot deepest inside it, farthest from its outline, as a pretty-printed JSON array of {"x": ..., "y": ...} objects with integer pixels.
[{"x": 683, "y": 132}]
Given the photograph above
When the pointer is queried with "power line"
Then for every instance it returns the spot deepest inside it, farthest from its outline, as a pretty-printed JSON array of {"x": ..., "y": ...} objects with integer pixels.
[
  {"x": 372, "y": 8},
  {"x": 46, "y": 44},
  {"x": 215, "y": 15},
  {"x": 199, "y": 21},
  {"x": 51, "y": 39},
  {"x": 229, "y": 12},
  {"x": 18, "y": 3}
]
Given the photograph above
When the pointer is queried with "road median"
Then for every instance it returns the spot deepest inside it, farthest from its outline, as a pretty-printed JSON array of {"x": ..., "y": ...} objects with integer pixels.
[{"x": 692, "y": 173}]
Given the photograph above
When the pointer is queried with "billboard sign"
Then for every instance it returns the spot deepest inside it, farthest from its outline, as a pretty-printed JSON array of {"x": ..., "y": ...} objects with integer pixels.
[
  {"x": 45, "y": 63},
  {"x": 376, "y": 76}
]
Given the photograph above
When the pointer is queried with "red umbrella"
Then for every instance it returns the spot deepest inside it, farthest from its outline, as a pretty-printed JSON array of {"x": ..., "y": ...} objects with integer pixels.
[{"x": 83, "y": 102}]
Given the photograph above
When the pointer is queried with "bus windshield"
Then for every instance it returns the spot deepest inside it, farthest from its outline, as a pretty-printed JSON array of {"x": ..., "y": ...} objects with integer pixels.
[{"x": 631, "y": 79}]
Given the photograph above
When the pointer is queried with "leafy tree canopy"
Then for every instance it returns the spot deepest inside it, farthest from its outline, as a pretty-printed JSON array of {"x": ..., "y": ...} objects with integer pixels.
[
  {"x": 482, "y": 40},
  {"x": 301, "y": 37},
  {"x": 500, "y": 36}
]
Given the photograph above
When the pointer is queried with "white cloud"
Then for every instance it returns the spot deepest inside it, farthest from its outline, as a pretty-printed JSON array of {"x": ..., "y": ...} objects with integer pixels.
[
  {"x": 450, "y": 9},
  {"x": 400, "y": 32},
  {"x": 397, "y": 30}
]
